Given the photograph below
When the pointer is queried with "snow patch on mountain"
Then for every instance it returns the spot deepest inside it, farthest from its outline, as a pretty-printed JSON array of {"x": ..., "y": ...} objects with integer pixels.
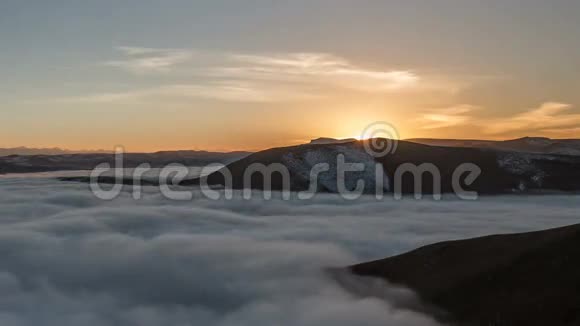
[
  {"x": 321, "y": 164},
  {"x": 523, "y": 165}
]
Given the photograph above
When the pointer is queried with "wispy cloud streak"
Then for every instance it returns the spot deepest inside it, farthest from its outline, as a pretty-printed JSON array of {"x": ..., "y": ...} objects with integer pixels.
[
  {"x": 148, "y": 60},
  {"x": 319, "y": 68},
  {"x": 448, "y": 117},
  {"x": 224, "y": 91},
  {"x": 549, "y": 117},
  {"x": 259, "y": 77}
]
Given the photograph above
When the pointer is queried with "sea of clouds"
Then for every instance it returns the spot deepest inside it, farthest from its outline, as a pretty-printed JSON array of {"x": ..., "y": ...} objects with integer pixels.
[{"x": 67, "y": 258}]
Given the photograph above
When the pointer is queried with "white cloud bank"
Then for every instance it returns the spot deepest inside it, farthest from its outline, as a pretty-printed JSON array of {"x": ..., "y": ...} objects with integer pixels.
[{"x": 70, "y": 259}]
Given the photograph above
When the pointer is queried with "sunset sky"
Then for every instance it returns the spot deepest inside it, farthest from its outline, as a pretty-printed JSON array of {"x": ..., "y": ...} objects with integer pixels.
[{"x": 225, "y": 75}]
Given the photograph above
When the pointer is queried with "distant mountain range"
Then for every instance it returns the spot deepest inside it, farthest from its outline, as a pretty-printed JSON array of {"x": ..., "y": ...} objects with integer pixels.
[
  {"x": 46, "y": 151},
  {"x": 527, "y": 144},
  {"x": 69, "y": 162}
]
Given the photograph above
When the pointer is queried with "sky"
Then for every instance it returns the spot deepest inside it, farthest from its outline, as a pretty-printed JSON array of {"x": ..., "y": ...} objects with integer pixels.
[{"x": 232, "y": 75}]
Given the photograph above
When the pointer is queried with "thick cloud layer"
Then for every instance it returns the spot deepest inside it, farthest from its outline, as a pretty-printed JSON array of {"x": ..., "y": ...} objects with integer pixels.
[{"x": 67, "y": 258}]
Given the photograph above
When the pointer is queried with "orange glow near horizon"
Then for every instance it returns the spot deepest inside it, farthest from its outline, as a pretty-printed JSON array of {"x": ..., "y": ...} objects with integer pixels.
[
  {"x": 145, "y": 129},
  {"x": 224, "y": 142}
]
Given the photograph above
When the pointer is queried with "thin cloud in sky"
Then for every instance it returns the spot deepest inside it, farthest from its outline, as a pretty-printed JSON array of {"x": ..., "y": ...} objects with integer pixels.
[
  {"x": 258, "y": 77},
  {"x": 448, "y": 117},
  {"x": 135, "y": 50},
  {"x": 550, "y": 116},
  {"x": 564, "y": 132},
  {"x": 149, "y": 60},
  {"x": 230, "y": 91},
  {"x": 330, "y": 68}
]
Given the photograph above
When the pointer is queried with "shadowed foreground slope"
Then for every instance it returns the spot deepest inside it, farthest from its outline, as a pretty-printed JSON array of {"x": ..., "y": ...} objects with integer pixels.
[{"x": 520, "y": 279}]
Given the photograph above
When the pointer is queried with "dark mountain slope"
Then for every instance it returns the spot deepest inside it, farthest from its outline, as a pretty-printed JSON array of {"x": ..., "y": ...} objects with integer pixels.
[
  {"x": 501, "y": 171},
  {"x": 519, "y": 279}
]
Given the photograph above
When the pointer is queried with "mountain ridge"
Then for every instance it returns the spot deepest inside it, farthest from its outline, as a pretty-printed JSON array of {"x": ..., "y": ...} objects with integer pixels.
[
  {"x": 502, "y": 171},
  {"x": 538, "y": 145},
  {"x": 68, "y": 162},
  {"x": 23, "y": 150}
]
